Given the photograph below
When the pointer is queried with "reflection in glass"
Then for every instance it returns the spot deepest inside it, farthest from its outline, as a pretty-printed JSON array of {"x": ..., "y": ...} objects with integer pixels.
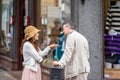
[{"x": 6, "y": 29}]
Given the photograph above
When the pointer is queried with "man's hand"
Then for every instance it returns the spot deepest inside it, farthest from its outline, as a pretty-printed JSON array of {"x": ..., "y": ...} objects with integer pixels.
[{"x": 55, "y": 63}]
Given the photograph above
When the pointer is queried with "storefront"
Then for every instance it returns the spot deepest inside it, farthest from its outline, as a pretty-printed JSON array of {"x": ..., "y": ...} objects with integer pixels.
[
  {"x": 15, "y": 16},
  {"x": 112, "y": 39},
  {"x": 13, "y": 22},
  {"x": 6, "y": 31},
  {"x": 51, "y": 17},
  {"x": 89, "y": 16}
]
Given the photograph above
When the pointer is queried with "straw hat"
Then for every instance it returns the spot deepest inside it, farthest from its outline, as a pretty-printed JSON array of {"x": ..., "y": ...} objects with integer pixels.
[{"x": 30, "y": 31}]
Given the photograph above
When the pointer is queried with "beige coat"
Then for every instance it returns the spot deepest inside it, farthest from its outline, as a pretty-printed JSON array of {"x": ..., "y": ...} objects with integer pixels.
[{"x": 76, "y": 55}]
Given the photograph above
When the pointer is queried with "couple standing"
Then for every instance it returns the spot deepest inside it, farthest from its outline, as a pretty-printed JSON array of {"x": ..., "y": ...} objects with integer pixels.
[{"x": 74, "y": 59}]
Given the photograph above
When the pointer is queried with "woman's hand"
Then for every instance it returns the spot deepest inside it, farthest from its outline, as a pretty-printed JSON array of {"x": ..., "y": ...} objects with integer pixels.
[
  {"x": 55, "y": 63},
  {"x": 53, "y": 45}
]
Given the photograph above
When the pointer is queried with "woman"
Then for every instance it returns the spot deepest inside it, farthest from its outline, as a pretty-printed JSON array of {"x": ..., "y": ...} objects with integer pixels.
[{"x": 32, "y": 54}]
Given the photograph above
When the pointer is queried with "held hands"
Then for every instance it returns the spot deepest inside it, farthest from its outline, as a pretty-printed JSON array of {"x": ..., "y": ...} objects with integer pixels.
[
  {"x": 55, "y": 63},
  {"x": 53, "y": 45}
]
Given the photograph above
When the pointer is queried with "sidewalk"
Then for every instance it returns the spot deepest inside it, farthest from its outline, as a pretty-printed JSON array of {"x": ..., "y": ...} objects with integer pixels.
[
  {"x": 15, "y": 74},
  {"x": 5, "y": 76},
  {"x": 10, "y": 75}
]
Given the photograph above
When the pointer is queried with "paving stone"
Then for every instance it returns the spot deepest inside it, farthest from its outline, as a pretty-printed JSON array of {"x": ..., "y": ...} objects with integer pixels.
[{"x": 5, "y": 76}]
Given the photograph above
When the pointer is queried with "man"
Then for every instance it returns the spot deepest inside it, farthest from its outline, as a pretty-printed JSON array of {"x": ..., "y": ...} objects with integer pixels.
[{"x": 75, "y": 56}]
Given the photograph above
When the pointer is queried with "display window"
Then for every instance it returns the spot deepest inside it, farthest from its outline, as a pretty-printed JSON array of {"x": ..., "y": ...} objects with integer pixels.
[
  {"x": 6, "y": 27},
  {"x": 112, "y": 39},
  {"x": 52, "y": 16}
]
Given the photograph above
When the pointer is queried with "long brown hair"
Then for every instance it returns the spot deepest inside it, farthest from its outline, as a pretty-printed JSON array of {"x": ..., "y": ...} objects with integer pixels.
[{"x": 35, "y": 44}]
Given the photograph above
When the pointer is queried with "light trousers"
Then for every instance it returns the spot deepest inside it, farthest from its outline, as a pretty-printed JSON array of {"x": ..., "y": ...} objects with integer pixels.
[{"x": 81, "y": 76}]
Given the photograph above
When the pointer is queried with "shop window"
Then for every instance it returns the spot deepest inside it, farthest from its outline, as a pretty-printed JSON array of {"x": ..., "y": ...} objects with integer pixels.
[
  {"x": 112, "y": 39},
  {"x": 51, "y": 19},
  {"x": 6, "y": 29}
]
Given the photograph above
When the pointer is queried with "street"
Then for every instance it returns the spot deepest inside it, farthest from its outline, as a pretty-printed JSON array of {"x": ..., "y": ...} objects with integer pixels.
[{"x": 5, "y": 76}]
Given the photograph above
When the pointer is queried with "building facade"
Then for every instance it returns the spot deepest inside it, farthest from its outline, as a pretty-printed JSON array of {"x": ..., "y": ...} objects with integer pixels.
[{"x": 88, "y": 15}]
